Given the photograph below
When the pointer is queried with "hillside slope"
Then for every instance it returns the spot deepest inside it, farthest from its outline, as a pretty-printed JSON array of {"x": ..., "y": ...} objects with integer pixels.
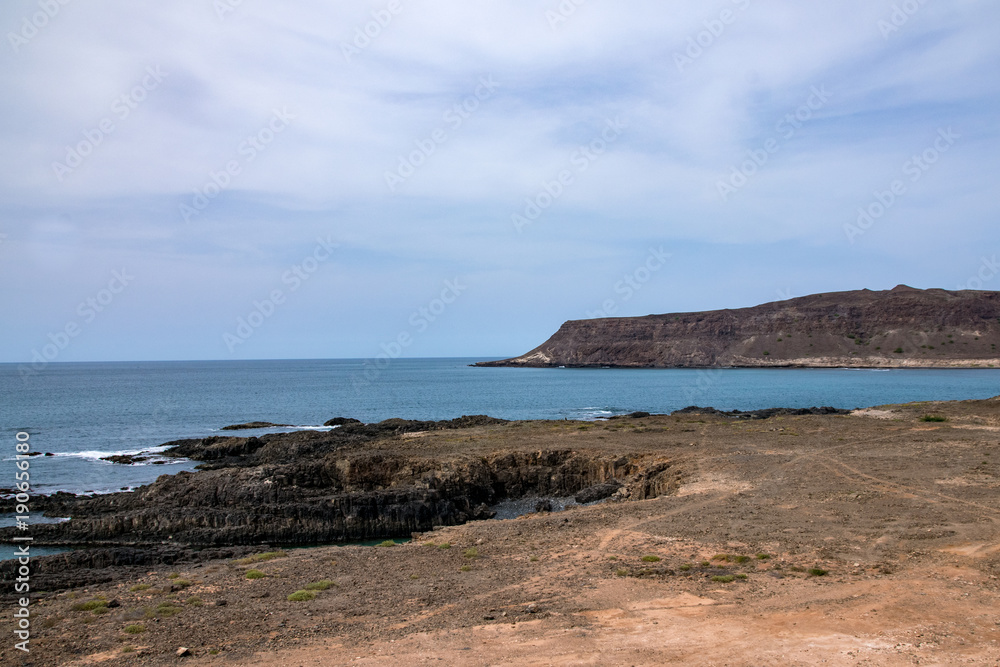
[{"x": 901, "y": 327}]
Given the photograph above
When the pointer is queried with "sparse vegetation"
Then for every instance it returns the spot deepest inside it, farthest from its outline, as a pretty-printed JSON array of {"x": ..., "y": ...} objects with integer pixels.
[
  {"x": 194, "y": 601},
  {"x": 182, "y": 583},
  {"x": 174, "y": 575},
  {"x": 723, "y": 578},
  {"x": 320, "y": 585},
  {"x": 685, "y": 567},
  {"x": 933, "y": 418},
  {"x": 140, "y": 587},
  {"x": 444, "y": 545},
  {"x": 90, "y": 605},
  {"x": 741, "y": 576},
  {"x": 135, "y": 629},
  {"x": 898, "y": 350},
  {"x": 621, "y": 572},
  {"x": 301, "y": 596},
  {"x": 741, "y": 559},
  {"x": 651, "y": 559},
  {"x": 763, "y": 556},
  {"x": 261, "y": 558},
  {"x": 722, "y": 557},
  {"x": 386, "y": 543},
  {"x": 816, "y": 572},
  {"x": 465, "y": 568},
  {"x": 255, "y": 574},
  {"x": 471, "y": 552}
]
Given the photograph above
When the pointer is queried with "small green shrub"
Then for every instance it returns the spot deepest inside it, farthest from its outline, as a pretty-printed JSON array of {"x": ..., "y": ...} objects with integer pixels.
[
  {"x": 705, "y": 563},
  {"x": 741, "y": 559},
  {"x": 722, "y": 557},
  {"x": 465, "y": 568},
  {"x": 533, "y": 559},
  {"x": 301, "y": 596},
  {"x": 167, "y": 609},
  {"x": 261, "y": 558},
  {"x": 933, "y": 418},
  {"x": 90, "y": 605},
  {"x": 135, "y": 629},
  {"x": 685, "y": 567},
  {"x": 140, "y": 587},
  {"x": 741, "y": 576},
  {"x": 898, "y": 350},
  {"x": 320, "y": 585},
  {"x": 173, "y": 575},
  {"x": 621, "y": 572},
  {"x": 444, "y": 545},
  {"x": 651, "y": 559},
  {"x": 723, "y": 578},
  {"x": 816, "y": 572},
  {"x": 471, "y": 552},
  {"x": 195, "y": 602},
  {"x": 255, "y": 574},
  {"x": 763, "y": 556},
  {"x": 612, "y": 557},
  {"x": 386, "y": 543},
  {"x": 182, "y": 583}
]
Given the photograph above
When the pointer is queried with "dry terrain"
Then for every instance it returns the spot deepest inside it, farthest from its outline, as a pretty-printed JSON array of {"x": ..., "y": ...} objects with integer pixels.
[{"x": 863, "y": 539}]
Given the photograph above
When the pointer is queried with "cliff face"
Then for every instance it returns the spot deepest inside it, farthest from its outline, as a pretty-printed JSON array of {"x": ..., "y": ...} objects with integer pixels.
[{"x": 901, "y": 327}]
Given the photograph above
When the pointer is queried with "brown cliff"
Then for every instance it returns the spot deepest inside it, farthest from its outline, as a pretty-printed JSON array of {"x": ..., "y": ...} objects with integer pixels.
[{"x": 897, "y": 328}]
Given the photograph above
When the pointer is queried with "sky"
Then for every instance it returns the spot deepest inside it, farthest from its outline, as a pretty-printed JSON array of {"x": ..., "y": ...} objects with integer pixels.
[{"x": 240, "y": 179}]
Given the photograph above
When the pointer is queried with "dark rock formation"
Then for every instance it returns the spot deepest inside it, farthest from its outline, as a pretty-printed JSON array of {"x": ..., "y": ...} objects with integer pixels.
[
  {"x": 321, "y": 487},
  {"x": 341, "y": 421},
  {"x": 766, "y": 413},
  {"x": 125, "y": 459},
  {"x": 902, "y": 327},
  {"x": 250, "y": 425}
]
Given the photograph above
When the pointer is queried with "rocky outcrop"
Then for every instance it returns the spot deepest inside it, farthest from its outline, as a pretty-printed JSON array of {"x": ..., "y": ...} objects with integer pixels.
[
  {"x": 902, "y": 327},
  {"x": 320, "y": 487},
  {"x": 252, "y": 425}
]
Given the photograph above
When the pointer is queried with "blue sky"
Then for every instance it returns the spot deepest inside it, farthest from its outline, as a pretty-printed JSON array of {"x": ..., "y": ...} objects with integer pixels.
[{"x": 233, "y": 179}]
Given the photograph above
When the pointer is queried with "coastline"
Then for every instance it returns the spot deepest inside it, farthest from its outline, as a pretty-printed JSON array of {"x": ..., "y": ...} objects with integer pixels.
[{"x": 888, "y": 505}]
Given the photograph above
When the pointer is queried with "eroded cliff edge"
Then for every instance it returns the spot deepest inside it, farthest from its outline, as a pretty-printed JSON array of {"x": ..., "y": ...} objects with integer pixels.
[{"x": 897, "y": 328}]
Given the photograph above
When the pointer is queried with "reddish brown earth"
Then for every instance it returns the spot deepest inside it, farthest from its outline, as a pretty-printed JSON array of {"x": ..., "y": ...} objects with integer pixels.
[
  {"x": 902, "y": 327},
  {"x": 902, "y": 514}
]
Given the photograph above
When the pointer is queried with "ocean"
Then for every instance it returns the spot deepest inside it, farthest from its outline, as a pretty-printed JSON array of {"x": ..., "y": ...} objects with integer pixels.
[{"x": 82, "y": 412}]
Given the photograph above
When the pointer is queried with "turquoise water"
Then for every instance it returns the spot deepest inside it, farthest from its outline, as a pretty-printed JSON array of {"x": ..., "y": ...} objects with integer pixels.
[{"x": 82, "y": 411}]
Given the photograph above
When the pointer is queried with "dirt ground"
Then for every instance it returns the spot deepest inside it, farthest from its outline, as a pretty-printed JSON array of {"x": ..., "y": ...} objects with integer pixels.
[{"x": 863, "y": 539}]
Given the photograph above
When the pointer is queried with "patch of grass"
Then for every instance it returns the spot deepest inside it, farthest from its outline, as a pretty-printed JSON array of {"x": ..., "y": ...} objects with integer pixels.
[
  {"x": 51, "y": 621},
  {"x": 763, "y": 556},
  {"x": 816, "y": 572},
  {"x": 386, "y": 543},
  {"x": 261, "y": 558},
  {"x": 651, "y": 559},
  {"x": 444, "y": 545},
  {"x": 741, "y": 559},
  {"x": 140, "y": 587},
  {"x": 685, "y": 567},
  {"x": 213, "y": 651},
  {"x": 533, "y": 559},
  {"x": 722, "y": 557},
  {"x": 90, "y": 605},
  {"x": 898, "y": 350},
  {"x": 766, "y": 353},
  {"x": 723, "y": 578},
  {"x": 414, "y": 576},
  {"x": 301, "y": 596},
  {"x": 797, "y": 568},
  {"x": 174, "y": 575},
  {"x": 320, "y": 585},
  {"x": 933, "y": 418},
  {"x": 465, "y": 568},
  {"x": 182, "y": 583},
  {"x": 128, "y": 649},
  {"x": 255, "y": 574},
  {"x": 612, "y": 557},
  {"x": 471, "y": 552},
  {"x": 704, "y": 563},
  {"x": 621, "y": 572},
  {"x": 194, "y": 602},
  {"x": 741, "y": 576},
  {"x": 135, "y": 629},
  {"x": 167, "y": 609}
]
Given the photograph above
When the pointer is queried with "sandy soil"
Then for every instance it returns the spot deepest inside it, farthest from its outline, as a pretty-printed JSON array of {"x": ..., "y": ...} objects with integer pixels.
[{"x": 901, "y": 515}]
